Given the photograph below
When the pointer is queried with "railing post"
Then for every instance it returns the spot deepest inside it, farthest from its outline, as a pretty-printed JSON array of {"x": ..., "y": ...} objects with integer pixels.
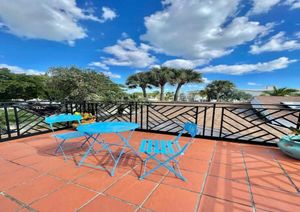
[
  {"x": 196, "y": 117},
  {"x": 96, "y": 109},
  {"x": 147, "y": 118},
  {"x": 142, "y": 111},
  {"x": 204, "y": 121},
  {"x": 213, "y": 120},
  {"x": 221, "y": 127},
  {"x": 130, "y": 111},
  {"x": 136, "y": 112},
  {"x": 298, "y": 124},
  {"x": 17, "y": 120},
  {"x": 66, "y": 106},
  {"x": 84, "y": 106},
  {"x": 7, "y": 121},
  {"x": 71, "y": 107}
]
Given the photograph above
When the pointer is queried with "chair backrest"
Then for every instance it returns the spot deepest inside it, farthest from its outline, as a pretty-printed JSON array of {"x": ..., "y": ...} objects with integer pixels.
[
  {"x": 62, "y": 118},
  {"x": 191, "y": 129}
]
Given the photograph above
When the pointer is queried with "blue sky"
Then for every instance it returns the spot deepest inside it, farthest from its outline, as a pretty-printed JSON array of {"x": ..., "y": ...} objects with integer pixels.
[{"x": 253, "y": 43}]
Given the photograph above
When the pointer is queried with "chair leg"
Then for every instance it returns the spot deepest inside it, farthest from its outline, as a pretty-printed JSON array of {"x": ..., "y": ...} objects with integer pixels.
[{"x": 164, "y": 164}]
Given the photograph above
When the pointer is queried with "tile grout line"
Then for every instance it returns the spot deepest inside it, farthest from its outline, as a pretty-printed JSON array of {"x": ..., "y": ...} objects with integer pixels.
[
  {"x": 152, "y": 191},
  {"x": 20, "y": 203},
  {"x": 286, "y": 174},
  {"x": 205, "y": 178},
  {"x": 102, "y": 192},
  {"x": 248, "y": 182}
]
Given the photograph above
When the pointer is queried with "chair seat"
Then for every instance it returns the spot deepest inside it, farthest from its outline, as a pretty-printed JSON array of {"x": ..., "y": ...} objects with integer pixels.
[
  {"x": 70, "y": 135},
  {"x": 159, "y": 147}
]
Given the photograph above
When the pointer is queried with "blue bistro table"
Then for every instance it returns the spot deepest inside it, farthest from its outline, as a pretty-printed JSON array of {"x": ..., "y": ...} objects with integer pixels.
[{"x": 95, "y": 132}]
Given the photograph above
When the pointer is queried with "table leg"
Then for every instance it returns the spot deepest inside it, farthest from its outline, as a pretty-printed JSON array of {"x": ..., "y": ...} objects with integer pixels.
[
  {"x": 126, "y": 141},
  {"x": 88, "y": 151}
]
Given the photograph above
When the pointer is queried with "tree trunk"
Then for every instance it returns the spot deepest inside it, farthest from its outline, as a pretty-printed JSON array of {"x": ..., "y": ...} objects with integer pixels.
[
  {"x": 162, "y": 96},
  {"x": 177, "y": 92},
  {"x": 144, "y": 92}
]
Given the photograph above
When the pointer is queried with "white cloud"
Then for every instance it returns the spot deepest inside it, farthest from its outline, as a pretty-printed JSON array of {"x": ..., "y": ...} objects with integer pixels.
[
  {"x": 127, "y": 53},
  {"x": 205, "y": 80},
  {"x": 276, "y": 43},
  {"x": 108, "y": 14},
  {"x": 294, "y": 4},
  {"x": 253, "y": 84},
  {"x": 270, "y": 66},
  {"x": 182, "y": 63},
  {"x": 297, "y": 34},
  {"x": 19, "y": 70},
  {"x": 46, "y": 19},
  {"x": 99, "y": 64},
  {"x": 262, "y": 6},
  {"x": 111, "y": 75},
  {"x": 195, "y": 29}
]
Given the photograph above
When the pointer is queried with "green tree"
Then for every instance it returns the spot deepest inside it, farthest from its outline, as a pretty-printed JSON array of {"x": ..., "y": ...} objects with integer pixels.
[
  {"x": 220, "y": 90},
  {"x": 240, "y": 95},
  {"x": 20, "y": 86},
  {"x": 184, "y": 76},
  {"x": 76, "y": 84},
  {"x": 160, "y": 77},
  {"x": 142, "y": 80},
  {"x": 281, "y": 92},
  {"x": 169, "y": 96}
]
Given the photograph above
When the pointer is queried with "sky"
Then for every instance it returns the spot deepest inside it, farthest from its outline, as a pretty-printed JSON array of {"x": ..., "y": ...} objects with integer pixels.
[{"x": 253, "y": 43}]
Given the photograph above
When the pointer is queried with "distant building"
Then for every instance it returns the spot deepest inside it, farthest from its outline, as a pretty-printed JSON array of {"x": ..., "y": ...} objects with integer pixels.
[
  {"x": 269, "y": 107},
  {"x": 258, "y": 92}
]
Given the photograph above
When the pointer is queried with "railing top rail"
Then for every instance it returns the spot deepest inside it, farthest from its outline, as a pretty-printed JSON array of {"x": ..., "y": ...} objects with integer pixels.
[{"x": 181, "y": 102}]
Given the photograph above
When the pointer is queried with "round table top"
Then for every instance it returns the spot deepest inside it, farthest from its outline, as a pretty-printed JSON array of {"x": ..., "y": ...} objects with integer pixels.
[{"x": 107, "y": 127}]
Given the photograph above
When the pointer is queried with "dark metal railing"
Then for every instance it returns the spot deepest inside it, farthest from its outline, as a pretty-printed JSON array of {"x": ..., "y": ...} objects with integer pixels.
[{"x": 242, "y": 122}]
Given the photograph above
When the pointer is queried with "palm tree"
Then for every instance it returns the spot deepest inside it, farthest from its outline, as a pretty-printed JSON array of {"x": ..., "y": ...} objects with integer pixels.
[
  {"x": 281, "y": 91},
  {"x": 220, "y": 90},
  {"x": 141, "y": 80},
  {"x": 161, "y": 76},
  {"x": 184, "y": 76}
]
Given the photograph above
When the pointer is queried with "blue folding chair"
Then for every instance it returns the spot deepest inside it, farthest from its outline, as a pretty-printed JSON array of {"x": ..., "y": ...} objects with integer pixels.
[
  {"x": 169, "y": 150},
  {"x": 61, "y": 118}
]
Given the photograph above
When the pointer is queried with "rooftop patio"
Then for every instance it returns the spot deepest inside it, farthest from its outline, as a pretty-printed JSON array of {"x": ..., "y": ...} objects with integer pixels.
[{"x": 221, "y": 176}]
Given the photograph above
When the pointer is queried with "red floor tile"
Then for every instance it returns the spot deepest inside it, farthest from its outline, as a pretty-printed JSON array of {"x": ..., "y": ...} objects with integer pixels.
[
  {"x": 30, "y": 159},
  {"x": 35, "y": 189},
  {"x": 296, "y": 179},
  {"x": 227, "y": 190},
  {"x": 232, "y": 158},
  {"x": 262, "y": 163},
  {"x": 8, "y": 167},
  {"x": 272, "y": 200},
  {"x": 270, "y": 180},
  {"x": 48, "y": 165},
  {"x": 227, "y": 171},
  {"x": 194, "y": 165},
  {"x": 97, "y": 180},
  {"x": 17, "y": 177},
  {"x": 131, "y": 189},
  {"x": 8, "y": 205},
  {"x": 168, "y": 198},
  {"x": 194, "y": 181},
  {"x": 104, "y": 203},
  {"x": 212, "y": 204},
  {"x": 70, "y": 171},
  {"x": 68, "y": 198}
]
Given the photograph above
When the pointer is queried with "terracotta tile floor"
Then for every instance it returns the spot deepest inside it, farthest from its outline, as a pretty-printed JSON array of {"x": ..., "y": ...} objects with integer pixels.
[{"x": 221, "y": 176}]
